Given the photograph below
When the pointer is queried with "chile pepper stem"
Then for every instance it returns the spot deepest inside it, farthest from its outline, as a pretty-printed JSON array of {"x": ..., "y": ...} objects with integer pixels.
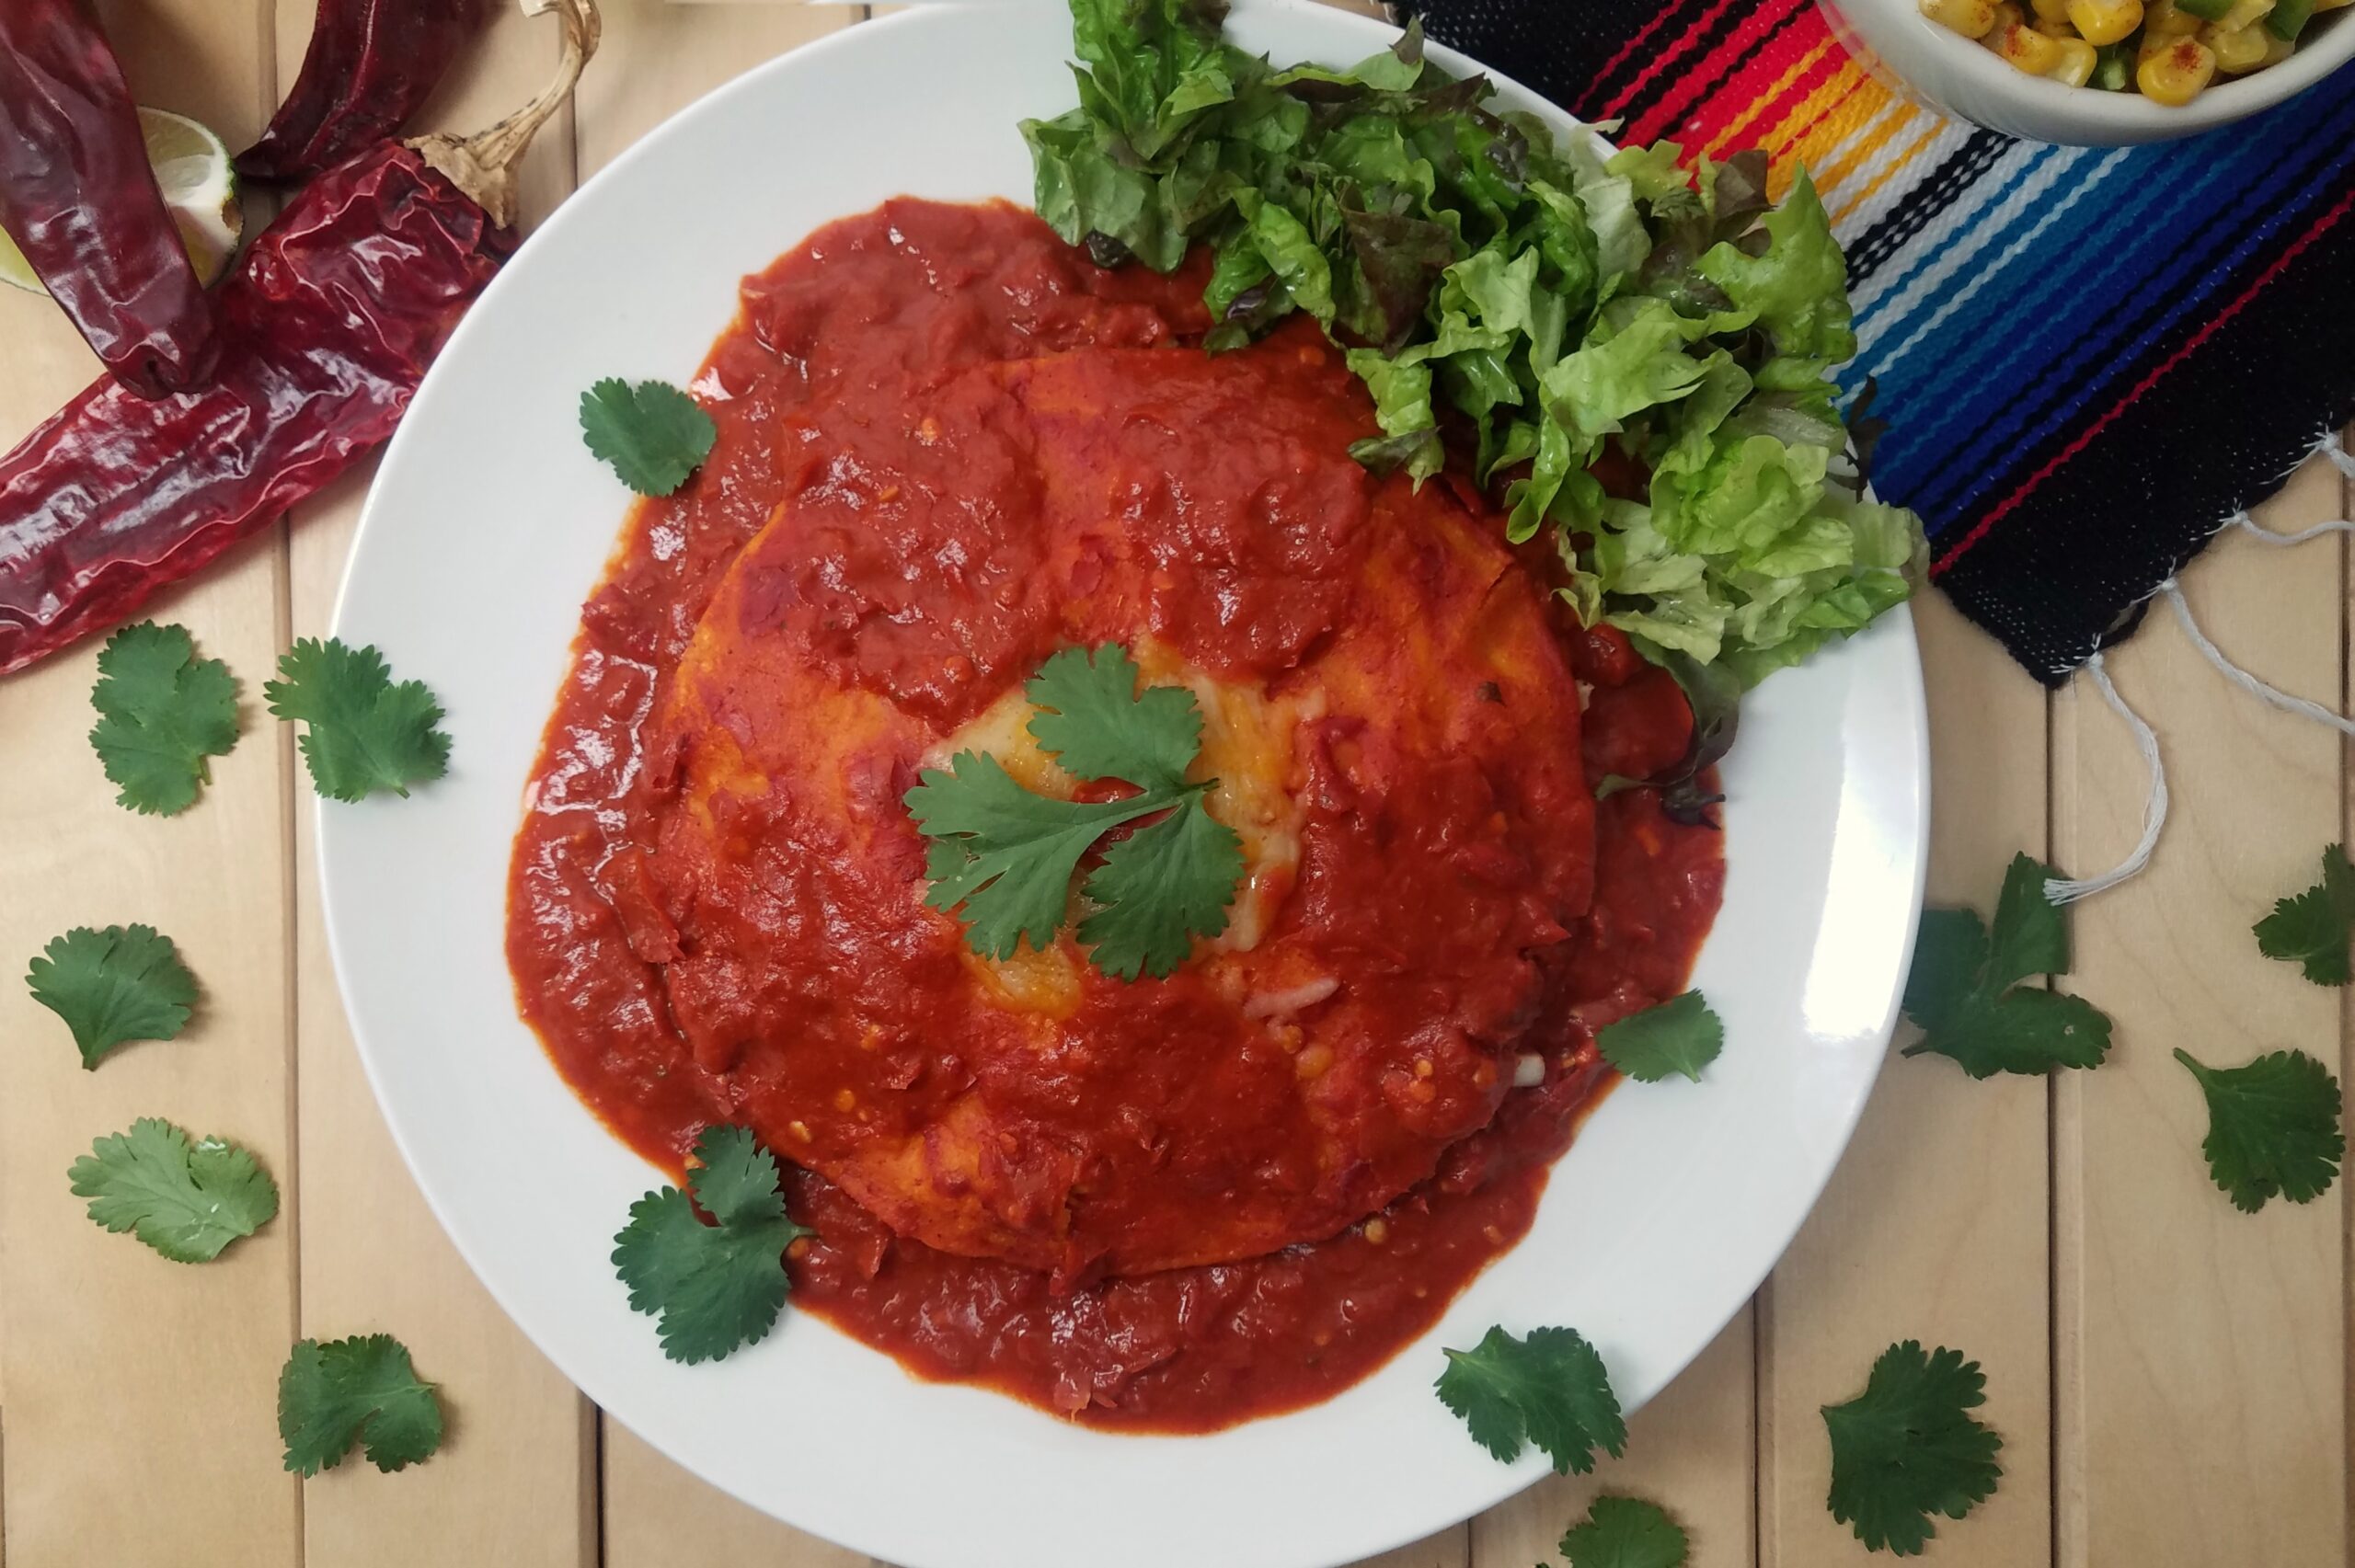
[{"x": 483, "y": 166}]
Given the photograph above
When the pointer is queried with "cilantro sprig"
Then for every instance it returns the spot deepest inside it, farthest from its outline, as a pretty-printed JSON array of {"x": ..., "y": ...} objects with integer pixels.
[
  {"x": 187, "y": 1198},
  {"x": 1907, "y": 1447},
  {"x": 1550, "y": 1390},
  {"x": 714, "y": 1288},
  {"x": 1624, "y": 1533},
  {"x": 1681, "y": 1035},
  {"x": 652, "y": 434},
  {"x": 1003, "y": 858},
  {"x": 114, "y": 986},
  {"x": 361, "y": 1390},
  {"x": 162, "y": 711},
  {"x": 363, "y": 733},
  {"x": 2311, "y": 929},
  {"x": 1965, "y": 991},
  {"x": 2272, "y": 1127}
]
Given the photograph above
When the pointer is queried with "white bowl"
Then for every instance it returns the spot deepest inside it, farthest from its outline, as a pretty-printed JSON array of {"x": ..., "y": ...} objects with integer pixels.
[{"x": 1917, "y": 57}]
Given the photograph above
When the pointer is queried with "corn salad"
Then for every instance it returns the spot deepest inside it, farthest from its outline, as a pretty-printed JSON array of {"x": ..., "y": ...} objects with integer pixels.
[{"x": 2169, "y": 51}]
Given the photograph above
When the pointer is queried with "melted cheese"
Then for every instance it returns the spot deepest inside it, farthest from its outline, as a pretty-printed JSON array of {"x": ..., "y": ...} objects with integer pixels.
[{"x": 1247, "y": 746}]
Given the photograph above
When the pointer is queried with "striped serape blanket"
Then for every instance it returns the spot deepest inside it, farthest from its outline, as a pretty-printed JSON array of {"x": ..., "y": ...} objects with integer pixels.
[{"x": 2090, "y": 359}]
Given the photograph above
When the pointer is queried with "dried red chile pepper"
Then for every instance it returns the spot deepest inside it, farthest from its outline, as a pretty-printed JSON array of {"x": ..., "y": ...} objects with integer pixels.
[
  {"x": 76, "y": 194},
  {"x": 369, "y": 66},
  {"x": 328, "y": 327}
]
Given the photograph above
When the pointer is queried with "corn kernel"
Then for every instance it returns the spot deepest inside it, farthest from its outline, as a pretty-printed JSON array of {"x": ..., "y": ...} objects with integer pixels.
[
  {"x": 2178, "y": 73},
  {"x": 1971, "y": 18},
  {"x": 2050, "y": 10},
  {"x": 2165, "y": 20},
  {"x": 2245, "y": 13},
  {"x": 2078, "y": 59},
  {"x": 2029, "y": 51},
  {"x": 2007, "y": 16},
  {"x": 2056, "y": 31},
  {"x": 2277, "y": 50},
  {"x": 2105, "y": 21},
  {"x": 2238, "y": 50}
]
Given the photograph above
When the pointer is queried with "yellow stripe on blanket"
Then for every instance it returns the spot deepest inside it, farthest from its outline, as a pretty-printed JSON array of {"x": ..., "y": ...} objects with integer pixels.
[
  {"x": 1830, "y": 150},
  {"x": 1811, "y": 124},
  {"x": 1741, "y": 121},
  {"x": 1853, "y": 159}
]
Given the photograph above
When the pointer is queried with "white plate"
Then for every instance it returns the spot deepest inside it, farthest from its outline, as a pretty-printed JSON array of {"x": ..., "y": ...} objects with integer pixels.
[{"x": 488, "y": 525}]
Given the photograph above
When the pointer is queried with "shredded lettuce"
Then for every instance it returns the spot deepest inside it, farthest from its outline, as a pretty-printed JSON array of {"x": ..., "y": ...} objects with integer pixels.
[{"x": 1554, "y": 309}]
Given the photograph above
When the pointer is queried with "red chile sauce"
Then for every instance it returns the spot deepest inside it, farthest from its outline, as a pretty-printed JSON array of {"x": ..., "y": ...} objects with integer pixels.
[{"x": 1185, "y": 1350}]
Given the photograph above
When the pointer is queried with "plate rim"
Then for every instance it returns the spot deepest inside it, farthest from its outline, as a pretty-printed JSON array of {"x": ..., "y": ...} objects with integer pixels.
[{"x": 1893, "y": 643}]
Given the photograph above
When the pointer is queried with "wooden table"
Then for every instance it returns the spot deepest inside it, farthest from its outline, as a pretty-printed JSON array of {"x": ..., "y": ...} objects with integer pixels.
[{"x": 2170, "y": 1376}]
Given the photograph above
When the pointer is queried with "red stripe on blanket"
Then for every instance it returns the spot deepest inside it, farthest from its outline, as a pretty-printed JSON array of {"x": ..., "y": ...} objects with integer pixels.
[
  {"x": 2085, "y": 438},
  {"x": 1667, "y": 55},
  {"x": 1731, "y": 84},
  {"x": 1602, "y": 79}
]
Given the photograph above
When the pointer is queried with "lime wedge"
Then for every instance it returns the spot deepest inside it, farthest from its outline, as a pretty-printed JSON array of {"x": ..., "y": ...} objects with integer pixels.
[{"x": 200, "y": 192}]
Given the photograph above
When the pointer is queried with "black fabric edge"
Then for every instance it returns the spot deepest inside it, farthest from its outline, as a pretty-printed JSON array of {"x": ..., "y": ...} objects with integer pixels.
[{"x": 2055, "y": 579}]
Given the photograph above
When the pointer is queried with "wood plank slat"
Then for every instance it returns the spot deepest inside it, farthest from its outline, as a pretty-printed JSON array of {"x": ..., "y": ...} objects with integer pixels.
[
  {"x": 515, "y": 1482},
  {"x": 2346, "y": 1007},
  {"x": 1935, "y": 1227},
  {"x": 141, "y": 1394},
  {"x": 2200, "y": 1352},
  {"x": 658, "y": 1516},
  {"x": 118, "y": 1363},
  {"x": 1450, "y": 1547}
]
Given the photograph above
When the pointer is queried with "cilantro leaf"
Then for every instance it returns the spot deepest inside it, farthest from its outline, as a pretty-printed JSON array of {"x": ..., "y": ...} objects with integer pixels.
[
  {"x": 114, "y": 986},
  {"x": 2314, "y": 927},
  {"x": 1099, "y": 726},
  {"x": 355, "y": 1391},
  {"x": 1624, "y": 1533},
  {"x": 1159, "y": 888},
  {"x": 1949, "y": 955},
  {"x": 2272, "y": 1127},
  {"x": 1964, "y": 989},
  {"x": 715, "y": 1288},
  {"x": 1907, "y": 1447},
  {"x": 2024, "y": 1030},
  {"x": 187, "y": 1200},
  {"x": 1003, "y": 858},
  {"x": 365, "y": 734},
  {"x": 1680, "y": 1034},
  {"x": 1549, "y": 1389},
  {"x": 162, "y": 711},
  {"x": 652, "y": 434},
  {"x": 2031, "y": 933}
]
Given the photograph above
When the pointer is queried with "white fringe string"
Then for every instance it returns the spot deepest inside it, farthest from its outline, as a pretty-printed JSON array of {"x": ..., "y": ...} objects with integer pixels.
[
  {"x": 2248, "y": 524},
  {"x": 2242, "y": 678},
  {"x": 2062, "y": 890},
  {"x": 2331, "y": 447}
]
